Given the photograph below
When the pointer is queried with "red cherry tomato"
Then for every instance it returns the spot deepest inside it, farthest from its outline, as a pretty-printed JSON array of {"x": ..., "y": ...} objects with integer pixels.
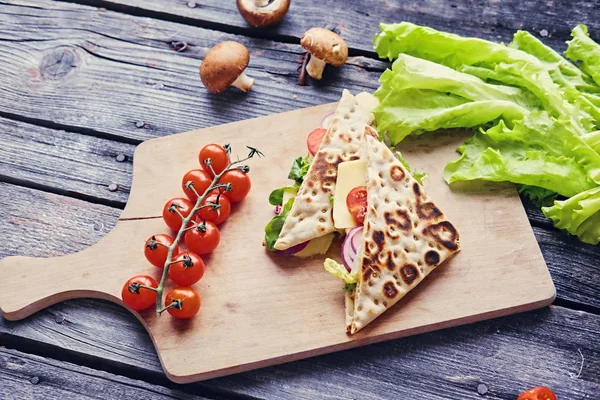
[
  {"x": 218, "y": 156},
  {"x": 357, "y": 203},
  {"x": 240, "y": 185},
  {"x": 187, "y": 301},
  {"x": 314, "y": 140},
  {"x": 187, "y": 269},
  {"x": 215, "y": 216},
  {"x": 139, "y": 298},
  {"x": 538, "y": 393},
  {"x": 203, "y": 239},
  {"x": 171, "y": 217},
  {"x": 200, "y": 179},
  {"x": 156, "y": 249}
]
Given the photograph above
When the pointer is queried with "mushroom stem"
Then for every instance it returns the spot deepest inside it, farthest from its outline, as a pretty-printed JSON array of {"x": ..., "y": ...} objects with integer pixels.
[
  {"x": 261, "y": 3},
  {"x": 243, "y": 82},
  {"x": 315, "y": 67}
]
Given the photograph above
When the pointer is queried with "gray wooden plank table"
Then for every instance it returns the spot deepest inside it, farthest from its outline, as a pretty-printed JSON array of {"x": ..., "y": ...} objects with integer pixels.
[{"x": 83, "y": 82}]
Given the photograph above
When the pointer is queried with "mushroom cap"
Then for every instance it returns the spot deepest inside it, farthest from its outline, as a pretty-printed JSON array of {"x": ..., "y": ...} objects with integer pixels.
[
  {"x": 263, "y": 16},
  {"x": 223, "y": 64},
  {"x": 325, "y": 45}
]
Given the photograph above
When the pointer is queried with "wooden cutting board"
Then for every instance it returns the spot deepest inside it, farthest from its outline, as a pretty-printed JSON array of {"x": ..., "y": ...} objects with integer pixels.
[{"x": 259, "y": 309}]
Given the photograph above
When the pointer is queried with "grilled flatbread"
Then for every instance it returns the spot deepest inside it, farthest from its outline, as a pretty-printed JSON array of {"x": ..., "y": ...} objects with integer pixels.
[
  {"x": 405, "y": 237},
  {"x": 311, "y": 214}
]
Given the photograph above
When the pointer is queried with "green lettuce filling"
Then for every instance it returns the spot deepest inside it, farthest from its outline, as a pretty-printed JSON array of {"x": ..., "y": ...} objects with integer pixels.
[
  {"x": 273, "y": 228},
  {"x": 297, "y": 173},
  {"x": 339, "y": 271}
]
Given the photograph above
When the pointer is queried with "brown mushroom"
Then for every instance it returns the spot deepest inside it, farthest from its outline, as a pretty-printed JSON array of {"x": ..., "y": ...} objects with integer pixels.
[
  {"x": 224, "y": 66},
  {"x": 260, "y": 13},
  {"x": 325, "y": 47}
]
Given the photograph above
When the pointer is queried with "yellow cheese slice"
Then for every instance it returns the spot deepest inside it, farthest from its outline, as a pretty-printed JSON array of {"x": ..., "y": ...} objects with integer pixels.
[
  {"x": 317, "y": 246},
  {"x": 350, "y": 175}
]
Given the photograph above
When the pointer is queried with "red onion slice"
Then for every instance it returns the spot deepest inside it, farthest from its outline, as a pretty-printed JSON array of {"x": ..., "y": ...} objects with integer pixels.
[
  {"x": 292, "y": 250},
  {"x": 357, "y": 239},
  {"x": 350, "y": 252},
  {"x": 326, "y": 121},
  {"x": 278, "y": 209}
]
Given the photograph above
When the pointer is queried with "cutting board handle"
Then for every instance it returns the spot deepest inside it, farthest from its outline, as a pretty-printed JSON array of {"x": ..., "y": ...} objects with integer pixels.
[{"x": 29, "y": 284}]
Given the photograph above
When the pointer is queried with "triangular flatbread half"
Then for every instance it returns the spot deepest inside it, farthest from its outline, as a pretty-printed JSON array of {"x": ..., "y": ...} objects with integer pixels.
[
  {"x": 311, "y": 214},
  {"x": 405, "y": 237}
]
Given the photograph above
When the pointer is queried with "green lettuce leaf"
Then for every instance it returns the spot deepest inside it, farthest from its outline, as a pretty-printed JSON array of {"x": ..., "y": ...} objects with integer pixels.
[
  {"x": 339, "y": 271},
  {"x": 416, "y": 111},
  {"x": 578, "y": 215},
  {"x": 299, "y": 169},
  {"x": 414, "y": 73},
  {"x": 507, "y": 65},
  {"x": 273, "y": 228},
  {"x": 583, "y": 49},
  {"x": 537, "y": 195},
  {"x": 593, "y": 140},
  {"x": 578, "y": 88},
  {"x": 418, "y": 95},
  {"x": 562, "y": 72},
  {"x": 276, "y": 196},
  {"x": 538, "y": 151}
]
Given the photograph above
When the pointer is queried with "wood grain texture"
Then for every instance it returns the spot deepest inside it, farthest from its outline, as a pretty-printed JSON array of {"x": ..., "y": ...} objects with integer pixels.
[
  {"x": 98, "y": 332},
  {"x": 106, "y": 73},
  {"x": 73, "y": 164},
  {"x": 26, "y": 376},
  {"x": 468, "y": 288},
  {"x": 359, "y": 21},
  {"x": 94, "y": 332}
]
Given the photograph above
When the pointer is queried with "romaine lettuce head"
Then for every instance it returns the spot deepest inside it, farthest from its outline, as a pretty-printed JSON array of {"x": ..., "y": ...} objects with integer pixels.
[{"x": 579, "y": 215}]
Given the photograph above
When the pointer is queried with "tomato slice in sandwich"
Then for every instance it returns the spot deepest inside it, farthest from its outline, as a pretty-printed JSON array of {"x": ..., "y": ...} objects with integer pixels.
[
  {"x": 314, "y": 140},
  {"x": 356, "y": 201}
]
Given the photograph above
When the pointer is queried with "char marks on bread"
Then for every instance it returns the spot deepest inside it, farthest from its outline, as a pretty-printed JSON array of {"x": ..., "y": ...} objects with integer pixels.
[{"x": 406, "y": 236}]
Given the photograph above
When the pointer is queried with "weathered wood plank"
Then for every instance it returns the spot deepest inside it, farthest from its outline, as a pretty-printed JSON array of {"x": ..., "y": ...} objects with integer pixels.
[
  {"x": 574, "y": 265},
  {"x": 82, "y": 166},
  {"x": 26, "y": 376},
  {"x": 42, "y": 224},
  {"x": 506, "y": 355},
  {"x": 110, "y": 73},
  {"x": 359, "y": 21}
]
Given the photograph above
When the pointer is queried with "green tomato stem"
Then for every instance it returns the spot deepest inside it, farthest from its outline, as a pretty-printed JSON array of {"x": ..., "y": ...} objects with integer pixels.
[{"x": 175, "y": 304}]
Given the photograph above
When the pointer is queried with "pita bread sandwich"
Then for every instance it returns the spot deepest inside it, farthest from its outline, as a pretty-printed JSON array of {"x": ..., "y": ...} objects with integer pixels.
[
  {"x": 405, "y": 236},
  {"x": 307, "y": 207}
]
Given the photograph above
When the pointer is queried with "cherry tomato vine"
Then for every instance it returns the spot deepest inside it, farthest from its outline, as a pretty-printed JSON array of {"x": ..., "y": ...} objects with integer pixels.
[{"x": 210, "y": 192}]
